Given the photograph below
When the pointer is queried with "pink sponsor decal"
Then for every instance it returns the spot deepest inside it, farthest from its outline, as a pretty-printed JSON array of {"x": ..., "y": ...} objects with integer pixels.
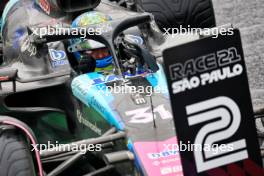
[
  {"x": 44, "y": 4},
  {"x": 160, "y": 158}
]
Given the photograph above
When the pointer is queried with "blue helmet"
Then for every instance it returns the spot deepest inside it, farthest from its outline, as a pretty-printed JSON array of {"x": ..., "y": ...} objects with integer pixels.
[{"x": 86, "y": 47}]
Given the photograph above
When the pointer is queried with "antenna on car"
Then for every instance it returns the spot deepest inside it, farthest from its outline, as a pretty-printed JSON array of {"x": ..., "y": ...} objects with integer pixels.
[{"x": 152, "y": 110}]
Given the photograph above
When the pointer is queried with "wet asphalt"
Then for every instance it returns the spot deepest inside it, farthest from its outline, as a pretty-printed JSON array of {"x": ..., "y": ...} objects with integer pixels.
[{"x": 248, "y": 16}]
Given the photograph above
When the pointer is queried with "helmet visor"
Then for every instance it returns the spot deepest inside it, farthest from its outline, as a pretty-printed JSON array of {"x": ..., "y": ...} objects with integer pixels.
[{"x": 97, "y": 54}]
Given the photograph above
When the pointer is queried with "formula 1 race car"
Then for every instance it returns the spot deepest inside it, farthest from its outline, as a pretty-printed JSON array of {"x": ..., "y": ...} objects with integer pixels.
[{"x": 94, "y": 120}]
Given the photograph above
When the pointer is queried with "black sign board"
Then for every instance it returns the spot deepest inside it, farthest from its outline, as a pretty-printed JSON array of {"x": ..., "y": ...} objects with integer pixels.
[{"x": 212, "y": 107}]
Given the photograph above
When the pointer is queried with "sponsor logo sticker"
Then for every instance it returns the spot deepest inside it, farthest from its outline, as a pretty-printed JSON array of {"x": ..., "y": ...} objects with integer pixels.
[
  {"x": 157, "y": 159},
  {"x": 135, "y": 39},
  {"x": 58, "y": 57}
]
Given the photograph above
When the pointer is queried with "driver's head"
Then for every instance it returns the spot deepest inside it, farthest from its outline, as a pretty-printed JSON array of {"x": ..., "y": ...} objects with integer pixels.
[
  {"x": 68, "y": 6},
  {"x": 91, "y": 48}
]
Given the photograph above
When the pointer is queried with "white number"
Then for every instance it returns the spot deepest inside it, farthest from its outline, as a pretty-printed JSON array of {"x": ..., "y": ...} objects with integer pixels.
[
  {"x": 164, "y": 114},
  {"x": 144, "y": 115},
  {"x": 230, "y": 117},
  {"x": 27, "y": 46}
]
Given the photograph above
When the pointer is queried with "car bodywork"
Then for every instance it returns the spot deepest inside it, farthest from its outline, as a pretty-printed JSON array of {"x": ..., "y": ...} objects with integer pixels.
[{"x": 59, "y": 104}]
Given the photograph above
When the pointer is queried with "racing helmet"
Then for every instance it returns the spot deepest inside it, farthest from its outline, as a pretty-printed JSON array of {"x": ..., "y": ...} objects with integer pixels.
[
  {"x": 91, "y": 48},
  {"x": 68, "y": 6}
]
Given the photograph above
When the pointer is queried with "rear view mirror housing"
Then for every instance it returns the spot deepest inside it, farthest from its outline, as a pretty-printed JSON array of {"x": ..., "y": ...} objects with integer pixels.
[{"x": 8, "y": 75}]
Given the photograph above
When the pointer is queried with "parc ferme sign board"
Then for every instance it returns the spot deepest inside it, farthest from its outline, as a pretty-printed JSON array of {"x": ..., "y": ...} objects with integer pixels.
[{"x": 212, "y": 107}]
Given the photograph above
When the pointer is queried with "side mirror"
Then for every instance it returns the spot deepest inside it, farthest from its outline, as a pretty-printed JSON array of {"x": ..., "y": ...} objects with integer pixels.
[{"x": 8, "y": 75}]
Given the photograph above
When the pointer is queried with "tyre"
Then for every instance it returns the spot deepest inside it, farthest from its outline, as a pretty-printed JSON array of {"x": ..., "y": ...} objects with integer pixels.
[
  {"x": 173, "y": 13},
  {"x": 15, "y": 157}
]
